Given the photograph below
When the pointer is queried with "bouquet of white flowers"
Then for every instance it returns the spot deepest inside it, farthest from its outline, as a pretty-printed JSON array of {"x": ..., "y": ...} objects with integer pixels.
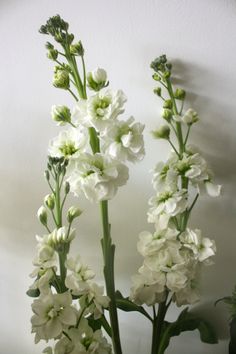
[{"x": 90, "y": 156}]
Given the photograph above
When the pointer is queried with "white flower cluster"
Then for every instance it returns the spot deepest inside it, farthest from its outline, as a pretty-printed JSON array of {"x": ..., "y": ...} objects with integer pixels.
[
  {"x": 174, "y": 254},
  {"x": 98, "y": 175},
  {"x": 55, "y": 315}
]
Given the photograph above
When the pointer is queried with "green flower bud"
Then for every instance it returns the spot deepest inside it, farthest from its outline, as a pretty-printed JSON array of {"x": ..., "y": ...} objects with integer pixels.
[
  {"x": 168, "y": 104},
  {"x": 73, "y": 213},
  {"x": 157, "y": 91},
  {"x": 162, "y": 133},
  {"x": 49, "y": 201},
  {"x": 167, "y": 114},
  {"x": 167, "y": 74},
  {"x": 61, "y": 114},
  {"x": 67, "y": 187},
  {"x": 77, "y": 49},
  {"x": 42, "y": 215},
  {"x": 156, "y": 77},
  {"x": 52, "y": 54},
  {"x": 179, "y": 94},
  {"x": 61, "y": 78},
  {"x": 97, "y": 79},
  {"x": 47, "y": 175}
]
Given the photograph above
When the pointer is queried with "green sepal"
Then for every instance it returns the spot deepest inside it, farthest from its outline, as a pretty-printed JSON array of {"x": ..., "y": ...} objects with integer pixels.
[
  {"x": 99, "y": 323},
  {"x": 124, "y": 304},
  {"x": 33, "y": 292},
  {"x": 187, "y": 322}
]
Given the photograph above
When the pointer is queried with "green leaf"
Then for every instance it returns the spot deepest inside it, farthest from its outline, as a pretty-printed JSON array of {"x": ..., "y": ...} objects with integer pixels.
[
  {"x": 126, "y": 305},
  {"x": 187, "y": 322}
]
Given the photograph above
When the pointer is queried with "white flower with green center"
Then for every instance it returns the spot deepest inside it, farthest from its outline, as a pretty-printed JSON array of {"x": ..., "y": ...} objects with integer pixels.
[
  {"x": 149, "y": 244},
  {"x": 124, "y": 140},
  {"x": 46, "y": 255},
  {"x": 100, "y": 110},
  {"x": 93, "y": 299},
  {"x": 164, "y": 176},
  {"x": 52, "y": 314},
  {"x": 79, "y": 273},
  {"x": 83, "y": 340},
  {"x": 203, "y": 248},
  {"x": 194, "y": 167},
  {"x": 97, "y": 176},
  {"x": 168, "y": 202},
  {"x": 69, "y": 143}
]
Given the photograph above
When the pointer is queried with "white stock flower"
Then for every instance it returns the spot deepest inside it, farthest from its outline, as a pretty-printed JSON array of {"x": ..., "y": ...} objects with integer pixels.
[
  {"x": 194, "y": 167},
  {"x": 79, "y": 273},
  {"x": 100, "y": 110},
  {"x": 168, "y": 202},
  {"x": 124, "y": 140},
  {"x": 190, "y": 116},
  {"x": 99, "y": 75},
  {"x": 68, "y": 143},
  {"x": 52, "y": 314},
  {"x": 170, "y": 262},
  {"x": 61, "y": 235},
  {"x": 42, "y": 282},
  {"x": 164, "y": 176},
  {"x": 148, "y": 287},
  {"x": 83, "y": 340},
  {"x": 46, "y": 255},
  {"x": 149, "y": 244},
  {"x": 97, "y": 176},
  {"x": 93, "y": 299},
  {"x": 190, "y": 293},
  {"x": 202, "y": 247}
]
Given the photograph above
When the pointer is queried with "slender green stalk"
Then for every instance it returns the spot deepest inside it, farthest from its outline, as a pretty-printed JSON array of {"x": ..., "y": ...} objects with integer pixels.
[
  {"x": 158, "y": 322},
  {"x": 108, "y": 248},
  {"x": 108, "y": 255}
]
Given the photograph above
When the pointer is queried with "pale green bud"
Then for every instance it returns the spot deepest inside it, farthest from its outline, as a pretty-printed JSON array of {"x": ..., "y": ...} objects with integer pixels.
[
  {"x": 49, "y": 201},
  {"x": 179, "y": 94},
  {"x": 73, "y": 213},
  {"x": 167, "y": 114},
  {"x": 61, "y": 114},
  {"x": 168, "y": 104},
  {"x": 167, "y": 74},
  {"x": 162, "y": 133},
  {"x": 52, "y": 54},
  {"x": 61, "y": 78},
  {"x": 97, "y": 79},
  {"x": 42, "y": 215},
  {"x": 77, "y": 49},
  {"x": 156, "y": 77},
  {"x": 157, "y": 91}
]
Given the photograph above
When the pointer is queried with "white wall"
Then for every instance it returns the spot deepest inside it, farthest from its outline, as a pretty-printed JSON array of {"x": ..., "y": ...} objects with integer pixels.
[{"x": 123, "y": 37}]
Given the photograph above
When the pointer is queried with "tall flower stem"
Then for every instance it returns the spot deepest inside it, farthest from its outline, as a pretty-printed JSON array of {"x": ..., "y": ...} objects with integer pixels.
[
  {"x": 158, "y": 322},
  {"x": 107, "y": 246},
  {"x": 108, "y": 255}
]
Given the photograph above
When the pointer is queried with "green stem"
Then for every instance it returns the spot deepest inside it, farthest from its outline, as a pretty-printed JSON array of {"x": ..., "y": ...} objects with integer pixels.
[
  {"x": 108, "y": 255},
  {"x": 157, "y": 326},
  {"x": 178, "y": 124},
  {"x": 72, "y": 93}
]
